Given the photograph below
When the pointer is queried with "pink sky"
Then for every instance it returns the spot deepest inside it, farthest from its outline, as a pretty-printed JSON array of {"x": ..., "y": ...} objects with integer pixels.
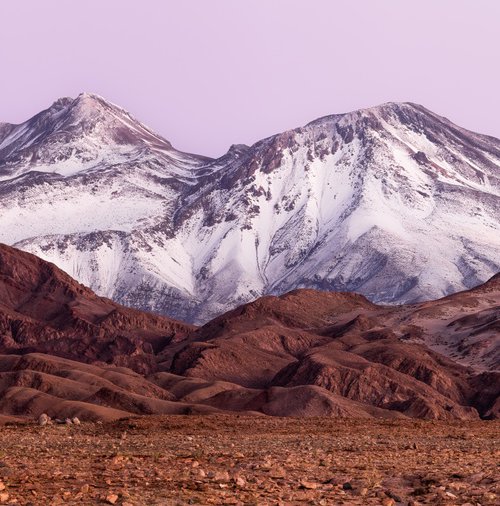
[{"x": 209, "y": 73}]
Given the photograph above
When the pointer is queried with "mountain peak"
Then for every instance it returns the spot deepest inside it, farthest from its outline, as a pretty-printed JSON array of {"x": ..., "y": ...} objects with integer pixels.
[
  {"x": 381, "y": 110},
  {"x": 391, "y": 201},
  {"x": 85, "y": 95},
  {"x": 84, "y": 133},
  {"x": 94, "y": 101}
]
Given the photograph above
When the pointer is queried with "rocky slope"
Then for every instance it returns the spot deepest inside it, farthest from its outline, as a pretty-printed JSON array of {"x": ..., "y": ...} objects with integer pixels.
[
  {"x": 394, "y": 202},
  {"x": 42, "y": 309},
  {"x": 431, "y": 360}
]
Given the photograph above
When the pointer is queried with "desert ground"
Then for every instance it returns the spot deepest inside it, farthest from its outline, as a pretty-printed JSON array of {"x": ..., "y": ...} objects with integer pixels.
[{"x": 251, "y": 460}]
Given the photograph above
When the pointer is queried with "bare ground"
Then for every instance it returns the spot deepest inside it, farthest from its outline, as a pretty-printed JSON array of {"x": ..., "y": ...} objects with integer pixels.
[{"x": 245, "y": 460}]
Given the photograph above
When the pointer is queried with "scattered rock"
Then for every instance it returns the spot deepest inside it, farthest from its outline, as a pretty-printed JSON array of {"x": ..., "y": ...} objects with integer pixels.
[
  {"x": 112, "y": 498},
  {"x": 221, "y": 476},
  {"x": 361, "y": 491},
  {"x": 240, "y": 481},
  {"x": 388, "y": 501},
  {"x": 309, "y": 485},
  {"x": 4, "y": 497},
  {"x": 394, "y": 496},
  {"x": 156, "y": 465},
  {"x": 43, "y": 419},
  {"x": 420, "y": 491},
  {"x": 489, "y": 496},
  {"x": 75, "y": 420},
  {"x": 277, "y": 472},
  {"x": 68, "y": 421}
]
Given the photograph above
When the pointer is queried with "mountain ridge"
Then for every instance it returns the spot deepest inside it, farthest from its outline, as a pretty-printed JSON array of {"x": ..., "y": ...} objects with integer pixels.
[{"x": 393, "y": 201}]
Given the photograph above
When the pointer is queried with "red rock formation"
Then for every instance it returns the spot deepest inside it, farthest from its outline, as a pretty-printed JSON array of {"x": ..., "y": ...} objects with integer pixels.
[
  {"x": 401, "y": 358},
  {"x": 43, "y": 309}
]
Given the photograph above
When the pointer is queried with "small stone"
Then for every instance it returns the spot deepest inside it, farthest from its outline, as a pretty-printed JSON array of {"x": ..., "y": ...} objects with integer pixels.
[
  {"x": 201, "y": 474},
  {"x": 4, "y": 497},
  {"x": 2, "y": 486},
  {"x": 419, "y": 491},
  {"x": 362, "y": 491},
  {"x": 388, "y": 501},
  {"x": 68, "y": 421},
  {"x": 309, "y": 485},
  {"x": 450, "y": 495},
  {"x": 458, "y": 486},
  {"x": 111, "y": 498},
  {"x": 240, "y": 481},
  {"x": 489, "y": 496},
  {"x": 221, "y": 476},
  {"x": 346, "y": 486},
  {"x": 75, "y": 420},
  {"x": 85, "y": 489},
  {"x": 277, "y": 472},
  {"x": 43, "y": 419}
]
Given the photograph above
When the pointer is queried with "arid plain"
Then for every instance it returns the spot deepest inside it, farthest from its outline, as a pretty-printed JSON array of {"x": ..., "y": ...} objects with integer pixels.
[{"x": 251, "y": 460}]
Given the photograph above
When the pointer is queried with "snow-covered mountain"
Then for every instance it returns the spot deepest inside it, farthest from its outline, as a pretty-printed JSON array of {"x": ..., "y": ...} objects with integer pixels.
[{"x": 394, "y": 202}]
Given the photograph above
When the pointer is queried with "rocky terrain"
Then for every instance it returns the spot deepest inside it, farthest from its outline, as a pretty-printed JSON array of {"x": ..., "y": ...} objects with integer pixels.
[
  {"x": 394, "y": 202},
  {"x": 305, "y": 353},
  {"x": 244, "y": 461},
  {"x": 43, "y": 309}
]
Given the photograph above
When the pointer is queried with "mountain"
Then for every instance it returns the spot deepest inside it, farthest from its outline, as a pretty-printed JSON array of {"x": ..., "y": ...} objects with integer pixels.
[
  {"x": 394, "y": 202},
  {"x": 43, "y": 310},
  {"x": 304, "y": 353},
  {"x": 438, "y": 359}
]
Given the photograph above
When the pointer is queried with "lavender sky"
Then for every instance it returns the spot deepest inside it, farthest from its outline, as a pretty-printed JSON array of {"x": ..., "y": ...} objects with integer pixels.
[{"x": 209, "y": 73}]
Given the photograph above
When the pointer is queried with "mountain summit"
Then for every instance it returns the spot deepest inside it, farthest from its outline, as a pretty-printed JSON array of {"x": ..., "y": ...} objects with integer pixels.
[
  {"x": 394, "y": 202},
  {"x": 79, "y": 134}
]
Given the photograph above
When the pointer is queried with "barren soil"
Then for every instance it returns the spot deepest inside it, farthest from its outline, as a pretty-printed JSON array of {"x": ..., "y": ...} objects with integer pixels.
[{"x": 177, "y": 460}]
